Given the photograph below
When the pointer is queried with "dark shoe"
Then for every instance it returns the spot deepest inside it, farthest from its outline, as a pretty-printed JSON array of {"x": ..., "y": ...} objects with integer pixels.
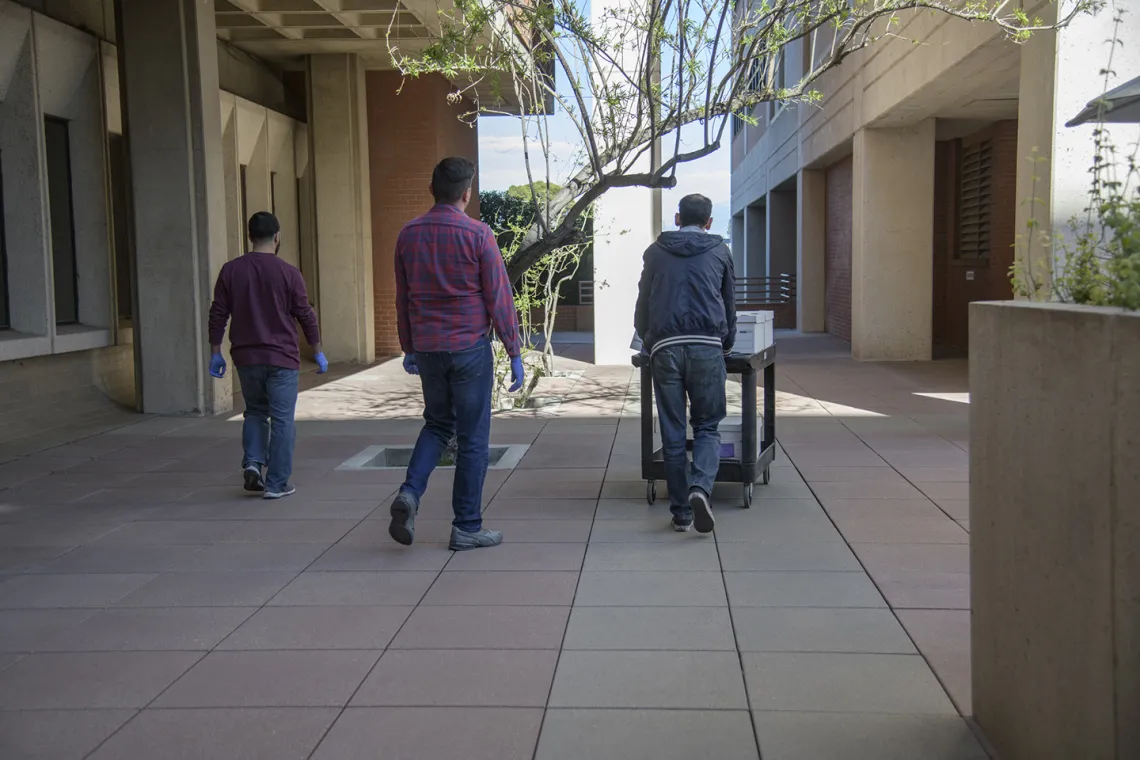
[
  {"x": 253, "y": 478},
  {"x": 462, "y": 540},
  {"x": 279, "y": 493},
  {"x": 403, "y": 526},
  {"x": 702, "y": 511},
  {"x": 682, "y": 524}
]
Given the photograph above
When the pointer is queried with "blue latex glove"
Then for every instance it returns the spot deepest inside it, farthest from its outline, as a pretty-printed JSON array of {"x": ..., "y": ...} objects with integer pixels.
[
  {"x": 217, "y": 366},
  {"x": 410, "y": 365},
  {"x": 322, "y": 363},
  {"x": 517, "y": 374}
]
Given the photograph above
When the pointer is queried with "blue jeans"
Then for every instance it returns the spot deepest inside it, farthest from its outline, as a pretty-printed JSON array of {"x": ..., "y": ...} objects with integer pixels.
[
  {"x": 697, "y": 372},
  {"x": 457, "y": 402},
  {"x": 270, "y": 395}
]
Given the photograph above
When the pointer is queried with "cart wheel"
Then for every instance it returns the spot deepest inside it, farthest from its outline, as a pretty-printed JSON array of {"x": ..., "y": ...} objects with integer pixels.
[
  {"x": 748, "y": 496},
  {"x": 767, "y": 475},
  {"x": 651, "y": 491}
]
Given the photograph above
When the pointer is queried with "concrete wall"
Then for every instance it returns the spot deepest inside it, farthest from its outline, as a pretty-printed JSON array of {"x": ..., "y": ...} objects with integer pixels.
[{"x": 1055, "y": 530}]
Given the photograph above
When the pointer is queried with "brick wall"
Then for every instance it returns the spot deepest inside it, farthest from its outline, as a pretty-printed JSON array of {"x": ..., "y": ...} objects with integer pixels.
[
  {"x": 408, "y": 133},
  {"x": 837, "y": 264}
]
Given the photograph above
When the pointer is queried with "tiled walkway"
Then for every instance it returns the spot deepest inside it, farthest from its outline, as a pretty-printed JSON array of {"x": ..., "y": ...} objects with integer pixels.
[{"x": 150, "y": 610}]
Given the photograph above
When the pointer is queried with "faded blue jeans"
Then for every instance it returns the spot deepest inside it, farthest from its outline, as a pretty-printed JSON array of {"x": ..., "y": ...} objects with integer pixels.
[
  {"x": 269, "y": 432},
  {"x": 457, "y": 402},
  {"x": 695, "y": 372}
]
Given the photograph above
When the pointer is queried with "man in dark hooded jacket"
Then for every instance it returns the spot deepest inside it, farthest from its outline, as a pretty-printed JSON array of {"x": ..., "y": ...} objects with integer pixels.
[{"x": 686, "y": 317}]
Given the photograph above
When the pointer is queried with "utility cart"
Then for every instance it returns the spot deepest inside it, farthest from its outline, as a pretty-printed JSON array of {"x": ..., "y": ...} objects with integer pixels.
[{"x": 755, "y": 457}]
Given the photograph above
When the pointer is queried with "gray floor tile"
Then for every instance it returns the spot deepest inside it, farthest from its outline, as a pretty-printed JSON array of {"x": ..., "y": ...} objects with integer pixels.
[
  {"x": 773, "y": 555},
  {"x": 51, "y": 591},
  {"x": 634, "y": 509},
  {"x": 909, "y": 530},
  {"x": 651, "y": 589},
  {"x": 342, "y": 627},
  {"x": 872, "y": 683},
  {"x": 237, "y": 557},
  {"x": 680, "y": 680},
  {"x": 647, "y": 735},
  {"x": 819, "y": 736},
  {"x": 271, "y": 679},
  {"x": 432, "y": 733},
  {"x": 516, "y": 588},
  {"x": 914, "y": 558},
  {"x": 385, "y": 557},
  {"x": 19, "y": 559},
  {"x": 206, "y": 589},
  {"x": 459, "y": 678},
  {"x": 120, "y": 559},
  {"x": 554, "y": 484},
  {"x": 250, "y": 734},
  {"x": 153, "y": 629},
  {"x": 801, "y": 590},
  {"x": 540, "y": 508},
  {"x": 172, "y": 532},
  {"x": 653, "y": 529},
  {"x": 27, "y": 630},
  {"x": 697, "y": 554},
  {"x": 508, "y": 556},
  {"x": 483, "y": 627},
  {"x": 90, "y": 680},
  {"x": 806, "y": 629},
  {"x": 940, "y": 591},
  {"x": 56, "y": 735},
  {"x": 325, "y": 532},
  {"x": 756, "y": 526},
  {"x": 366, "y": 589},
  {"x": 650, "y": 628}
]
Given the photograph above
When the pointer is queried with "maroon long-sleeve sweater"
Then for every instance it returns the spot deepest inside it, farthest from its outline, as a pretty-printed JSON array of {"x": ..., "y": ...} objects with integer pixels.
[{"x": 266, "y": 298}]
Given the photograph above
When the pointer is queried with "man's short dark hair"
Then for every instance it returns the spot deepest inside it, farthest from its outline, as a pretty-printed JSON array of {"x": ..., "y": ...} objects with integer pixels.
[
  {"x": 695, "y": 210},
  {"x": 263, "y": 226},
  {"x": 451, "y": 178}
]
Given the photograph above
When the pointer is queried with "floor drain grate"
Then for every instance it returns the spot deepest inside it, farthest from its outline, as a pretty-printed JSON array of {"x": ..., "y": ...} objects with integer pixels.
[{"x": 397, "y": 457}]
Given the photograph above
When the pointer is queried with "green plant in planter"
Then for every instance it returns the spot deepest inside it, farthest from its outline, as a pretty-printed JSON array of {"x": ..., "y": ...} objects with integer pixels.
[{"x": 1099, "y": 263}]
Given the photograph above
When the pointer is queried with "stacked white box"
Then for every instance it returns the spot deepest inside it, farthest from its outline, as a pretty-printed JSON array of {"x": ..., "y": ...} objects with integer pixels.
[
  {"x": 754, "y": 332},
  {"x": 732, "y": 437}
]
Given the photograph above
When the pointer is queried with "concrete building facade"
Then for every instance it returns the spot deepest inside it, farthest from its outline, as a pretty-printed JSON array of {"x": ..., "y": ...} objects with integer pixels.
[
  {"x": 136, "y": 136},
  {"x": 903, "y": 197}
]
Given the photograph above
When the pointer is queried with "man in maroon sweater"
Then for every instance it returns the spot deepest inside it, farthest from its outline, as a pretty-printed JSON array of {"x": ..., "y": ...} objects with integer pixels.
[{"x": 266, "y": 298}]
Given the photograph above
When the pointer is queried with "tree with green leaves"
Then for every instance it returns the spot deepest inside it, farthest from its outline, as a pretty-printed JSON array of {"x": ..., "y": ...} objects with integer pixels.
[{"x": 637, "y": 76}]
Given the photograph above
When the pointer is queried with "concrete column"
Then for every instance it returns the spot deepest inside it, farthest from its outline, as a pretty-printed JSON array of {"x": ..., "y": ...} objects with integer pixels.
[
  {"x": 892, "y": 252},
  {"x": 811, "y": 250},
  {"x": 755, "y": 241},
  {"x": 1060, "y": 73},
  {"x": 339, "y": 162},
  {"x": 738, "y": 243},
  {"x": 169, "y": 71},
  {"x": 782, "y": 228}
]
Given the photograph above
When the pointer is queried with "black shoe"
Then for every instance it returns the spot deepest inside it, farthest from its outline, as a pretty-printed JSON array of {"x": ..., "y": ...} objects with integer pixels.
[
  {"x": 403, "y": 527},
  {"x": 703, "y": 518},
  {"x": 253, "y": 478},
  {"x": 682, "y": 524}
]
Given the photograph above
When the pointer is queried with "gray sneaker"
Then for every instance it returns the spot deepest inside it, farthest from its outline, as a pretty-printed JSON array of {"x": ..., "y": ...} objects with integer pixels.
[
  {"x": 462, "y": 540},
  {"x": 701, "y": 505},
  {"x": 403, "y": 526}
]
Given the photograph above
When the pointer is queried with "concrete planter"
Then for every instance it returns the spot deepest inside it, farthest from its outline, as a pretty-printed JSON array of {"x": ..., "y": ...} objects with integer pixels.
[{"x": 1055, "y": 530}]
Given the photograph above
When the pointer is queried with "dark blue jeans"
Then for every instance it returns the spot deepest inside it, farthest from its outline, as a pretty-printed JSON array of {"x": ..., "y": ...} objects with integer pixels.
[
  {"x": 270, "y": 395},
  {"x": 698, "y": 373},
  {"x": 457, "y": 402}
]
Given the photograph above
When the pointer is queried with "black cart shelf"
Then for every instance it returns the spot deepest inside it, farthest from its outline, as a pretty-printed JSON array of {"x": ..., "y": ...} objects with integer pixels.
[{"x": 756, "y": 456}]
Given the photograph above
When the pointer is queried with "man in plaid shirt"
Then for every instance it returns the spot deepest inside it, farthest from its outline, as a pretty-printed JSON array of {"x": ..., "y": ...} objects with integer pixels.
[{"x": 451, "y": 289}]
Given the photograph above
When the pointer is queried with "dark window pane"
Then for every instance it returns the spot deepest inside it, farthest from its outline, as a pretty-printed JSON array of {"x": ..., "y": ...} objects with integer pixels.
[
  {"x": 273, "y": 193},
  {"x": 120, "y": 210},
  {"x": 58, "y": 145},
  {"x": 244, "y": 206},
  {"x": 5, "y": 317}
]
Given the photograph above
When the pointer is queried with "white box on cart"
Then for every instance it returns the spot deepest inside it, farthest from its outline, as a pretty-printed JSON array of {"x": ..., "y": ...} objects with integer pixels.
[{"x": 754, "y": 332}]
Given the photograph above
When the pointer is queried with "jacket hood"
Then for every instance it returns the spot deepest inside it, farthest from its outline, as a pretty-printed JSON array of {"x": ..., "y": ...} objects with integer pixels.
[{"x": 688, "y": 243}]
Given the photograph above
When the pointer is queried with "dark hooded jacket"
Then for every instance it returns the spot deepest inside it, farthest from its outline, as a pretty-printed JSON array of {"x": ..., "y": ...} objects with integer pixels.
[{"x": 686, "y": 292}]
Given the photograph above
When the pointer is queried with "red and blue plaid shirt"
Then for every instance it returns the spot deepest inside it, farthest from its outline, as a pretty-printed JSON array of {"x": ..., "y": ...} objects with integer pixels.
[{"x": 451, "y": 284}]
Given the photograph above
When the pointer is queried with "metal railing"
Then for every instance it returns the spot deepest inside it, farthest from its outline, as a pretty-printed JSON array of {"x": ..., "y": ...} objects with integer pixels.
[
  {"x": 586, "y": 293},
  {"x": 761, "y": 292}
]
